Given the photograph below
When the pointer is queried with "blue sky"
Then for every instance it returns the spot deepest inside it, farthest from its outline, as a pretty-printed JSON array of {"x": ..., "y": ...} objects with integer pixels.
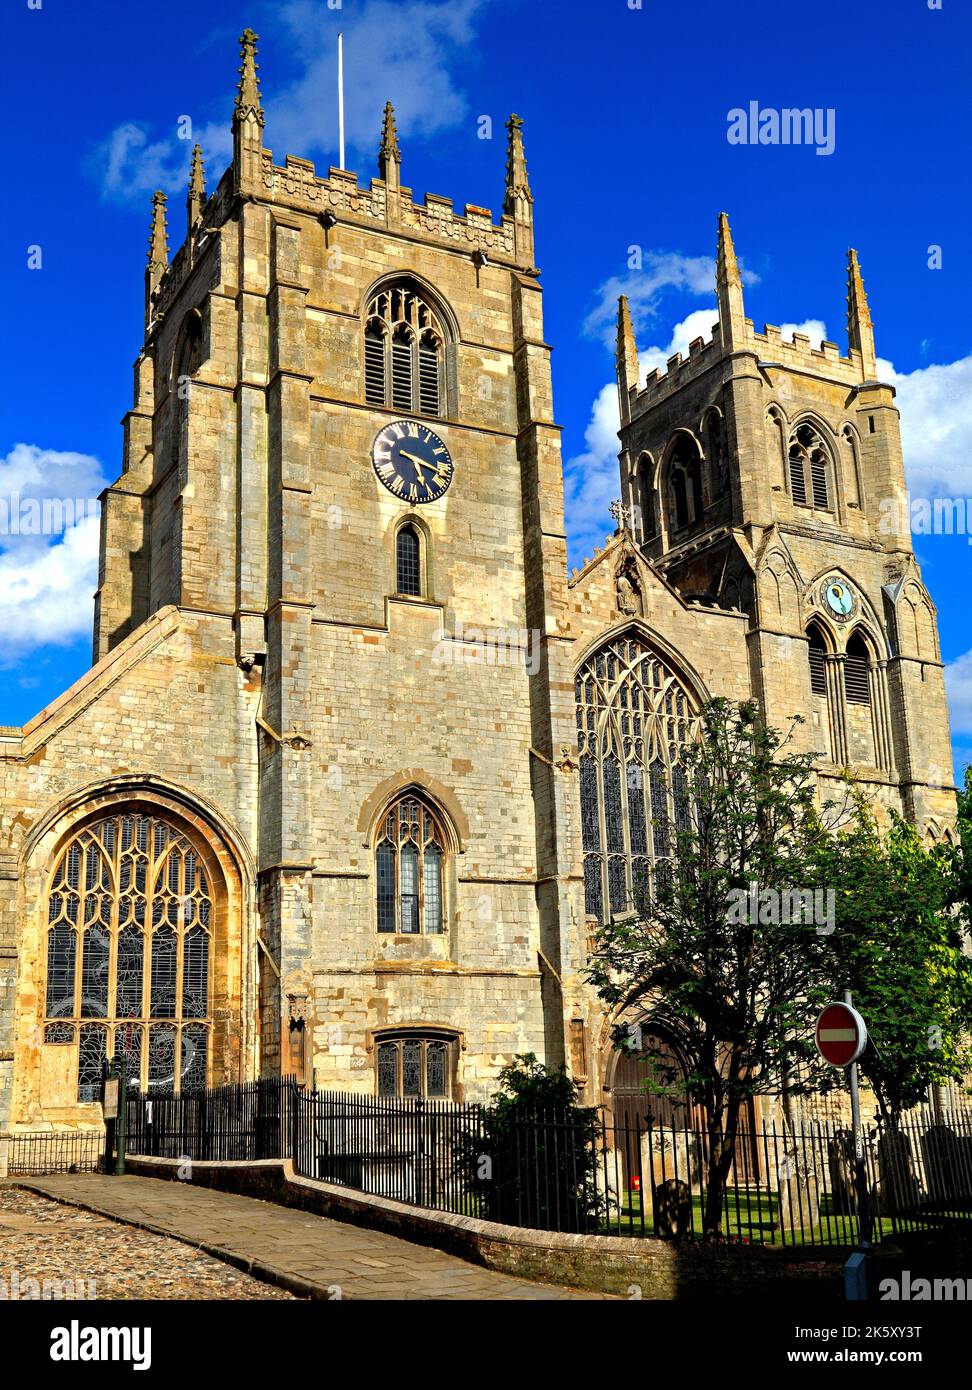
[{"x": 625, "y": 108}]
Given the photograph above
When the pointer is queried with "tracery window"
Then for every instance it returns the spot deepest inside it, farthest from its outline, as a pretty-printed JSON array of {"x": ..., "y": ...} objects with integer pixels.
[
  {"x": 809, "y": 469},
  {"x": 404, "y": 352},
  {"x": 635, "y": 721},
  {"x": 131, "y": 915},
  {"x": 415, "y": 1065},
  {"x": 409, "y": 861}
]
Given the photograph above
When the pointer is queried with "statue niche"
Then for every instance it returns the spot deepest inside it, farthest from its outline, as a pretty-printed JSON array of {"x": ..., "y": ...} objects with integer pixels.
[{"x": 628, "y": 587}]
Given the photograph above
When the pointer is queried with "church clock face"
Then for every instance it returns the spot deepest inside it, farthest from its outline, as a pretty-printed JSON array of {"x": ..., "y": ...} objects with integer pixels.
[
  {"x": 839, "y": 599},
  {"x": 412, "y": 462}
]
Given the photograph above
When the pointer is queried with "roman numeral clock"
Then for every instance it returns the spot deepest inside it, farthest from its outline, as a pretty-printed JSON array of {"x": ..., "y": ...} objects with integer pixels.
[{"x": 412, "y": 462}]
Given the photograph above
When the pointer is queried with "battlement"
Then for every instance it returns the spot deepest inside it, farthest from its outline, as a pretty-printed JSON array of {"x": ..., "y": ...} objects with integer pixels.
[
  {"x": 734, "y": 337},
  {"x": 383, "y": 203},
  {"x": 770, "y": 349},
  {"x": 299, "y": 186}
]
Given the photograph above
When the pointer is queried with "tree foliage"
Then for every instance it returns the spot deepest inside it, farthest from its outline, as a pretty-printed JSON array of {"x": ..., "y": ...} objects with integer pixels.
[
  {"x": 898, "y": 946},
  {"x": 735, "y": 993},
  {"x": 534, "y": 1162}
]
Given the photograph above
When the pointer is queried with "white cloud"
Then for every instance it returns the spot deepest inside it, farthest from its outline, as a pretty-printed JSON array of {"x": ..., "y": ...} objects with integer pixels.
[
  {"x": 47, "y": 576},
  {"x": 936, "y": 426},
  {"x": 958, "y": 684},
  {"x": 814, "y": 329},
  {"x": 591, "y": 479},
  {"x": 393, "y": 51}
]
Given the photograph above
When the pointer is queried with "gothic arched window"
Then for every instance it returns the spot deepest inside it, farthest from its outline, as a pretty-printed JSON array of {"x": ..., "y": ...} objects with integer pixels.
[
  {"x": 685, "y": 472},
  {"x": 130, "y": 921},
  {"x": 404, "y": 352},
  {"x": 857, "y": 663},
  {"x": 715, "y": 448},
  {"x": 413, "y": 1063},
  {"x": 409, "y": 861},
  {"x": 817, "y": 656},
  {"x": 809, "y": 469},
  {"x": 645, "y": 497},
  {"x": 634, "y": 720},
  {"x": 408, "y": 561}
]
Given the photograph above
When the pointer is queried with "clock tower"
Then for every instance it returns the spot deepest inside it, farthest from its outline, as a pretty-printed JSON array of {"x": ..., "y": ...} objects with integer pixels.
[
  {"x": 342, "y": 460},
  {"x": 766, "y": 476}
]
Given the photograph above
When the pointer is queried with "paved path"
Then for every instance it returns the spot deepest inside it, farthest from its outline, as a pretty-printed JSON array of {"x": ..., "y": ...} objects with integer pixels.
[{"x": 307, "y": 1254}]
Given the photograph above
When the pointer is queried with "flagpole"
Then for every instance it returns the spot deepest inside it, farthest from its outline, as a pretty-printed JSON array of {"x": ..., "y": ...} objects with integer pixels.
[{"x": 341, "y": 98}]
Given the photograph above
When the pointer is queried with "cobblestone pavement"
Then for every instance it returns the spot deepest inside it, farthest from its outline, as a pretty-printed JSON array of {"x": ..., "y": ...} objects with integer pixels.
[
  {"x": 43, "y": 1240},
  {"x": 305, "y": 1253}
]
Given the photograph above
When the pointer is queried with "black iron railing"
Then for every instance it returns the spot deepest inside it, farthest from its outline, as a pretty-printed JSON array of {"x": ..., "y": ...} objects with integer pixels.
[
  {"x": 575, "y": 1170},
  {"x": 55, "y": 1151},
  {"x": 244, "y": 1122}
]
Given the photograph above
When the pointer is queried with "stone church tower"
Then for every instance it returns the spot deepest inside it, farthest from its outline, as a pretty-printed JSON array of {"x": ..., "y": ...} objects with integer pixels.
[
  {"x": 357, "y": 768},
  {"x": 304, "y": 814},
  {"x": 767, "y": 476}
]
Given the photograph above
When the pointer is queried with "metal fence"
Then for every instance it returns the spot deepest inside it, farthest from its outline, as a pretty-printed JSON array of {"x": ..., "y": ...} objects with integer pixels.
[
  {"x": 58, "y": 1151},
  {"x": 244, "y": 1122},
  {"x": 574, "y": 1170}
]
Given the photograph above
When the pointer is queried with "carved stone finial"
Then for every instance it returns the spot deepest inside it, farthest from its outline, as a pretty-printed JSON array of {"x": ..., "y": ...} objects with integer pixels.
[
  {"x": 860, "y": 328},
  {"x": 729, "y": 292},
  {"x": 389, "y": 153},
  {"x": 158, "y": 252},
  {"x": 196, "y": 200},
  {"x": 248, "y": 91},
  {"x": 621, "y": 516}
]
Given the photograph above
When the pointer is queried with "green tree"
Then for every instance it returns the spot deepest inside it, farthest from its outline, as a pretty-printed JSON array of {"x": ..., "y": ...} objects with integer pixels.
[
  {"x": 898, "y": 946},
  {"x": 962, "y": 856},
  {"x": 714, "y": 959},
  {"x": 534, "y": 1162}
]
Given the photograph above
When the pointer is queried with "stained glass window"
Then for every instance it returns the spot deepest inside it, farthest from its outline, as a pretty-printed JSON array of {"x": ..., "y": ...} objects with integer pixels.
[
  {"x": 634, "y": 721},
  {"x": 409, "y": 860},
  {"x": 91, "y": 1061},
  {"x": 130, "y": 912},
  {"x": 412, "y": 1066}
]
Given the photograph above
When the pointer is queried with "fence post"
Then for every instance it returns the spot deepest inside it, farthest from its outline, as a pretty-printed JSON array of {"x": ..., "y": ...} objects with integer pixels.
[
  {"x": 295, "y": 1117},
  {"x": 419, "y": 1150}
]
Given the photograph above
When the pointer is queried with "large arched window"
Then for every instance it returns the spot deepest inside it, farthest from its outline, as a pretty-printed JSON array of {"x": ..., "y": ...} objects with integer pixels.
[
  {"x": 404, "y": 352},
  {"x": 409, "y": 859},
  {"x": 634, "y": 721},
  {"x": 809, "y": 469},
  {"x": 131, "y": 915}
]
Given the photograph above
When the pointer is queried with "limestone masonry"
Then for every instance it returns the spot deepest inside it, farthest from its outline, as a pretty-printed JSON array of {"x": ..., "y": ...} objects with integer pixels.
[{"x": 358, "y": 765}]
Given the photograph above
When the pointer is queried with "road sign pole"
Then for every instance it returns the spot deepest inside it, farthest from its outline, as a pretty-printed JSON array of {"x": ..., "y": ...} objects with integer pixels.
[{"x": 860, "y": 1166}]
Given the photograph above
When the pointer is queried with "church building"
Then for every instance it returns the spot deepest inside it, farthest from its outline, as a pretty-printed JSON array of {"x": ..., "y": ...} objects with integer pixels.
[{"x": 359, "y": 765}]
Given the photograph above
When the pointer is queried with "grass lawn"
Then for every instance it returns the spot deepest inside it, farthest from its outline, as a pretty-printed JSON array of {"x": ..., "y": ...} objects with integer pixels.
[{"x": 752, "y": 1217}]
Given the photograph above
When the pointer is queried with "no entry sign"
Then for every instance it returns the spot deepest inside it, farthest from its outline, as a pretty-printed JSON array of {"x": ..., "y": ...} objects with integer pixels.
[{"x": 841, "y": 1035}]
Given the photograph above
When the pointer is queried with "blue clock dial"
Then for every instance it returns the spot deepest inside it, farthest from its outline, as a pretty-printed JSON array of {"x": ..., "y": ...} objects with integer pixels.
[
  {"x": 838, "y": 598},
  {"x": 412, "y": 462}
]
